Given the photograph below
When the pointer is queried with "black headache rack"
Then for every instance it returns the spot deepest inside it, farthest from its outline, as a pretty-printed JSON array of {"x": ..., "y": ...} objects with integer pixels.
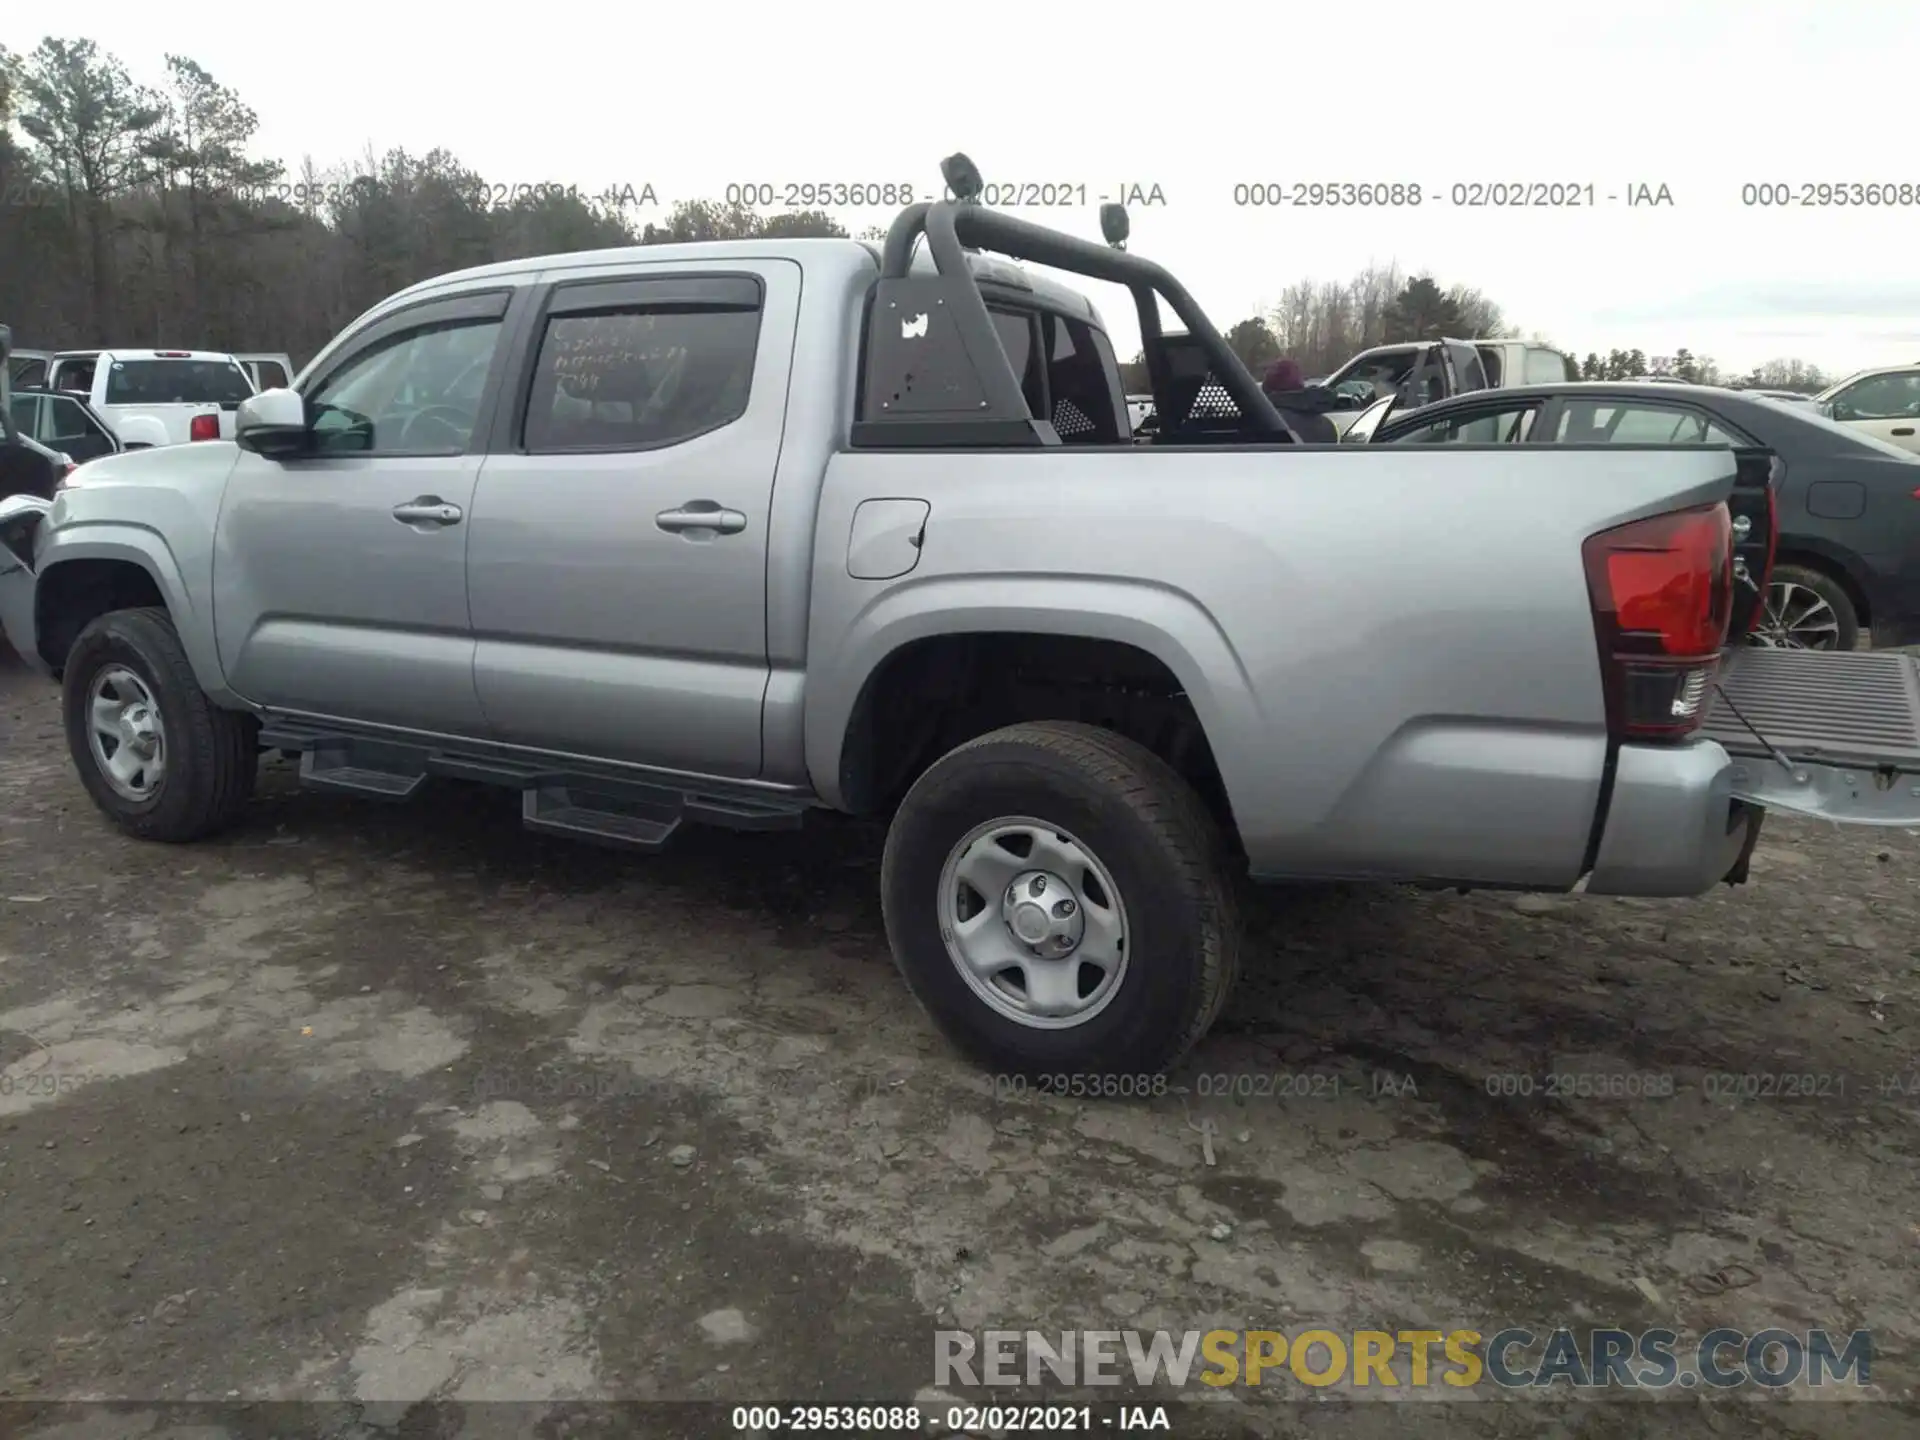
[{"x": 934, "y": 373}]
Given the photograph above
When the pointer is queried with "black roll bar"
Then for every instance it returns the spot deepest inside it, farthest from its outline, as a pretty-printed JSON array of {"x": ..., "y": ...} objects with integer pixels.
[{"x": 952, "y": 227}]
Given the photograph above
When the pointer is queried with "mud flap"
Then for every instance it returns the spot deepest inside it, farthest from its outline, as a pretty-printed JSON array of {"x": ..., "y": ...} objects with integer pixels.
[{"x": 1835, "y": 736}]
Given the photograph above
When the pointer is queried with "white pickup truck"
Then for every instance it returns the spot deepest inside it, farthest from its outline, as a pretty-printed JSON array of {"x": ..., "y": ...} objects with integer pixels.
[{"x": 156, "y": 397}]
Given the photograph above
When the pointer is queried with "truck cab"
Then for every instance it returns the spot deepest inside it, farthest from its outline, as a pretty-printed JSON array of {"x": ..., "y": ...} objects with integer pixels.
[{"x": 153, "y": 398}]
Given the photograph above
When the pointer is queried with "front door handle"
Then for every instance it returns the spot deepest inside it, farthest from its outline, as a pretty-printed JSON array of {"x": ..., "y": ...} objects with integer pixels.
[
  {"x": 701, "y": 515},
  {"x": 1904, "y": 430},
  {"x": 427, "y": 510}
]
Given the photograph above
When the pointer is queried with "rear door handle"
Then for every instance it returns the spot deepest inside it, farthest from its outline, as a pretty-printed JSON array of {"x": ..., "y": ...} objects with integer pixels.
[
  {"x": 427, "y": 510},
  {"x": 701, "y": 515},
  {"x": 1904, "y": 430}
]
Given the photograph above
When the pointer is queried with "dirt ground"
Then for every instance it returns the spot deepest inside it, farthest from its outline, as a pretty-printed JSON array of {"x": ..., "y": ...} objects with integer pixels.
[{"x": 373, "y": 1105}]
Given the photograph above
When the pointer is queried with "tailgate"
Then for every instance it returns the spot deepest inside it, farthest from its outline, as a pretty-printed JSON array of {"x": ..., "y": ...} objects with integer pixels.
[
  {"x": 1834, "y": 734},
  {"x": 175, "y": 420}
]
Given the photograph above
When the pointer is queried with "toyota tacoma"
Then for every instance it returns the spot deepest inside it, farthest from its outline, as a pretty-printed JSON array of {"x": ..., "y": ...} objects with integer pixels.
[{"x": 730, "y": 532}]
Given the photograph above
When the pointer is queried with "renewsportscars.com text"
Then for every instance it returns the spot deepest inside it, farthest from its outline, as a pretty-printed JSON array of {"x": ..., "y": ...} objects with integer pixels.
[{"x": 1510, "y": 1359}]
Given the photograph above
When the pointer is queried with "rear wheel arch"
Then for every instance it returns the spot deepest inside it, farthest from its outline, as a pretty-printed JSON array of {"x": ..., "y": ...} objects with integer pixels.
[{"x": 932, "y": 693}]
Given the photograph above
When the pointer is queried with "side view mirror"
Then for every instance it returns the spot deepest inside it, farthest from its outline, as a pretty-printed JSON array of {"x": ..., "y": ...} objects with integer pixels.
[{"x": 272, "y": 423}]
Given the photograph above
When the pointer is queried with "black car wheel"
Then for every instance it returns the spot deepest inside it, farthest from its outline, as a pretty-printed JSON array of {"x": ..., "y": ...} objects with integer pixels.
[{"x": 1806, "y": 610}]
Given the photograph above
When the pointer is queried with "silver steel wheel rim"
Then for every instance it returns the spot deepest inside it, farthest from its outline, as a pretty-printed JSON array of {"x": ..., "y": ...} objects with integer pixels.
[
  {"x": 1797, "y": 618},
  {"x": 128, "y": 740},
  {"x": 1034, "y": 923}
]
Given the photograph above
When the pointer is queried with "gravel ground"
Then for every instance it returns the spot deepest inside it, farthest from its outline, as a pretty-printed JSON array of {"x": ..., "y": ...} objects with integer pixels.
[{"x": 374, "y": 1105}]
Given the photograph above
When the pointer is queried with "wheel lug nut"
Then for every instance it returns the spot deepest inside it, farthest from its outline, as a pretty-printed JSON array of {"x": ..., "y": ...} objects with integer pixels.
[
  {"x": 1038, "y": 886},
  {"x": 1062, "y": 909}
]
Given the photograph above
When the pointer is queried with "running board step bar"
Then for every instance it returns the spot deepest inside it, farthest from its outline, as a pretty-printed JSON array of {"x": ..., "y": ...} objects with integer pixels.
[
  {"x": 603, "y": 808},
  {"x": 332, "y": 767},
  {"x": 1830, "y": 734},
  {"x": 598, "y": 819}
]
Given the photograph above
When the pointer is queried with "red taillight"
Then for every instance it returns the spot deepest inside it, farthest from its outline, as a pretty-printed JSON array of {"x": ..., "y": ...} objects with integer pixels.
[
  {"x": 204, "y": 427},
  {"x": 173, "y": 354},
  {"x": 1662, "y": 595}
]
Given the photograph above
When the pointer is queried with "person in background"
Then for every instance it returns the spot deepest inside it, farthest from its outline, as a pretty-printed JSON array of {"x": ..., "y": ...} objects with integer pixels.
[{"x": 1304, "y": 410}]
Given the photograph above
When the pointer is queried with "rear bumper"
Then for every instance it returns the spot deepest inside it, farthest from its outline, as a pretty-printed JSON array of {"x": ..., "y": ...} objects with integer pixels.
[
  {"x": 1831, "y": 735},
  {"x": 1674, "y": 825}
]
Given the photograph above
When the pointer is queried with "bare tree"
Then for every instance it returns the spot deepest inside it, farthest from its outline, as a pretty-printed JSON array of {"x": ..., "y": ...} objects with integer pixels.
[{"x": 95, "y": 130}]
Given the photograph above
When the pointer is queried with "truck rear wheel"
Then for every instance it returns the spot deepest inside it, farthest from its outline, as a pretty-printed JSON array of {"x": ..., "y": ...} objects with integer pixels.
[
  {"x": 1058, "y": 900},
  {"x": 159, "y": 759}
]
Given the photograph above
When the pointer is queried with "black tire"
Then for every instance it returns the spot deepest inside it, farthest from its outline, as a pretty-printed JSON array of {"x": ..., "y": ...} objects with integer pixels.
[
  {"x": 1847, "y": 637},
  {"x": 212, "y": 759},
  {"x": 1152, "y": 833}
]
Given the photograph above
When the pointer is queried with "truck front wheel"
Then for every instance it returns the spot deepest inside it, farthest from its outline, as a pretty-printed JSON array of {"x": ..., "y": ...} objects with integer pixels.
[
  {"x": 158, "y": 758},
  {"x": 1058, "y": 900}
]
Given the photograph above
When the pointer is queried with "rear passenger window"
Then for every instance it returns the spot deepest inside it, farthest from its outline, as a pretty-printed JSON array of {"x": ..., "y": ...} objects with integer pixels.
[
  {"x": 638, "y": 377},
  {"x": 1587, "y": 422},
  {"x": 1507, "y": 426},
  {"x": 1016, "y": 331},
  {"x": 270, "y": 374},
  {"x": 176, "y": 382}
]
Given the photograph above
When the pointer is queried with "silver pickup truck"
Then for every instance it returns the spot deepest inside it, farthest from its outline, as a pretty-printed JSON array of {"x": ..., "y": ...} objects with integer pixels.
[{"x": 729, "y": 532}]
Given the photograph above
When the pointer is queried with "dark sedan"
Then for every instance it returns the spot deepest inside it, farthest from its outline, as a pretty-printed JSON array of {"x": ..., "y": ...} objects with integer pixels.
[{"x": 1849, "y": 505}]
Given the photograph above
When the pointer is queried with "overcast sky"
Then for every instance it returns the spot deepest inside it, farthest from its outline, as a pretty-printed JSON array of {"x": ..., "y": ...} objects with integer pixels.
[{"x": 1701, "y": 96}]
